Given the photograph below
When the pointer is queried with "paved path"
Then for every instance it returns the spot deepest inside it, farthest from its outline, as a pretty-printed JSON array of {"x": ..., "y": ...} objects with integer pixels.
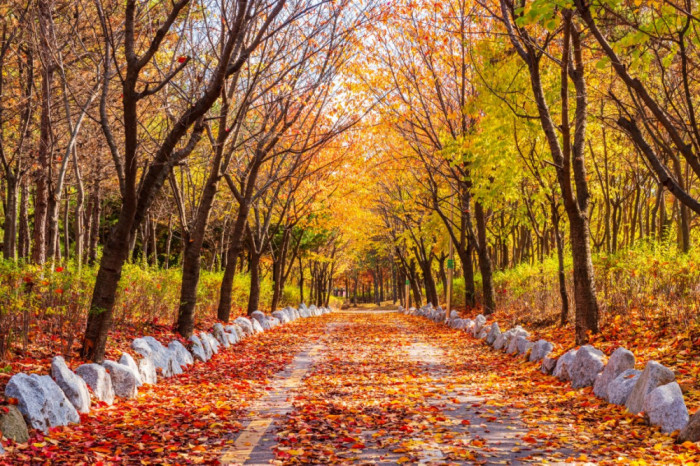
[{"x": 376, "y": 389}]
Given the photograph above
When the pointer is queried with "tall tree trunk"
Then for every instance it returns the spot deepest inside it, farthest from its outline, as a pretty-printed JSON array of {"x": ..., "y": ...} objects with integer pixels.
[
  {"x": 24, "y": 246},
  {"x": 254, "y": 298},
  {"x": 95, "y": 214},
  {"x": 484, "y": 260},
  {"x": 41, "y": 194},
  {"x": 301, "y": 282},
  {"x": 66, "y": 230},
  {"x": 225, "y": 295},
  {"x": 9, "y": 247},
  {"x": 561, "y": 272}
]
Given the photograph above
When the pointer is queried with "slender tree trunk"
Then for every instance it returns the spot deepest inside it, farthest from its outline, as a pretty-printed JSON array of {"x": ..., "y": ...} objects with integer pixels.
[
  {"x": 168, "y": 243},
  {"x": 561, "y": 272},
  {"x": 95, "y": 213},
  {"x": 9, "y": 249},
  {"x": 41, "y": 195},
  {"x": 24, "y": 246},
  {"x": 225, "y": 295},
  {"x": 484, "y": 260},
  {"x": 66, "y": 229},
  {"x": 301, "y": 281}
]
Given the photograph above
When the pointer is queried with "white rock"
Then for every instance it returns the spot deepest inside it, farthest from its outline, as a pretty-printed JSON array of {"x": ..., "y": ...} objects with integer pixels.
[
  {"x": 561, "y": 371},
  {"x": 128, "y": 361},
  {"x": 619, "y": 389},
  {"x": 42, "y": 403},
  {"x": 281, "y": 316},
  {"x": 484, "y": 332},
  {"x": 479, "y": 323},
  {"x": 540, "y": 349},
  {"x": 620, "y": 360},
  {"x": 163, "y": 359},
  {"x": 258, "y": 328},
  {"x": 124, "y": 379},
  {"x": 182, "y": 356},
  {"x": 653, "y": 375},
  {"x": 72, "y": 385},
  {"x": 261, "y": 318},
  {"x": 515, "y": 333},
  {"x": 246, "y": 325},
  {"x": 588, "y": 363},
  {"x": 524, "y": 345},
  {"x": 213, "y": 342},
  {"x": 501, "y": 341},
  {"x": 147, "y": 371},
  {"x": 664, "y": 406},
  {"x": 220, "y": 335},
  {"x": 494, "y": 333},
  {"x": 198, "y": 349},
  {"x": 454, "y": 315},
  {"x": 96, "y": 377},
  {"x": 206, "y": 344},
  {"x": 235, "y": 328}
]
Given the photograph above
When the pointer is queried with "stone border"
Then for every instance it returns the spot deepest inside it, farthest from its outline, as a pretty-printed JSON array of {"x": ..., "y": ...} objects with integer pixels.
[
  {"x": 46, "y": 401},
  {"x": 652, "y": 391}
]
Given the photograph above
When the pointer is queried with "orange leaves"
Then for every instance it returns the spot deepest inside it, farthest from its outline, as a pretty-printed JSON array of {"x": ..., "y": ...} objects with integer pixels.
[{"x": 185, "y": 419}]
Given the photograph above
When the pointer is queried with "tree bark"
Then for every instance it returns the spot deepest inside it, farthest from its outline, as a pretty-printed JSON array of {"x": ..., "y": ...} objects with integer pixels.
[{"x": 484, "y": 260}]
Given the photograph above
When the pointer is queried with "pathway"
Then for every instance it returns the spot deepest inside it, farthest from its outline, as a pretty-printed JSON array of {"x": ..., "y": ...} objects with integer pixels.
[{"x": 379, "y": 388}]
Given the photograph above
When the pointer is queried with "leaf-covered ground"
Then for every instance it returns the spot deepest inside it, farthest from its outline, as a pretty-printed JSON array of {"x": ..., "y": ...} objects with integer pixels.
[
  {"x": 190, "y": 418},
  {"x": 384, "y": 388},
  {"x": 377, "y": 397}
]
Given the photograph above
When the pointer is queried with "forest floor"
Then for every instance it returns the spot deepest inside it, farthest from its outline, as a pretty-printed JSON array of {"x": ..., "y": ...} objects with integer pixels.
[{"x": 362, "y": 387}]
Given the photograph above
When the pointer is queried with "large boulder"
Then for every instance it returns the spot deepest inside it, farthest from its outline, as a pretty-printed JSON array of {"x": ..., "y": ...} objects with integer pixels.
[
  {"x": 454, "y": 315},
  {"x": 182, "y": 356},
  {"x": 42, "y": 403},
  {"x": 245, "y": 324},
  {"x": 620, "y": 360},
  {"x": 125, "y": 380},
  {"x": 654, "y": 375},
  {"x": 128, "y": 361},
  {"x": 619, "y": 388},
  {"x": 561, "y": 371},
  {"x": 494, "y": 333},
  {"x": 220, "y": 335},
  {"x": 691, "y": 432},
  {"x": 96, "y": 377},
  {"x": 540, "y": 350},
  {"x": 588, "y": 363},
  {"x": 147, "y": 372},
  {"x": 664, "y": 407},
  {"x": 12, "y": 425},
  {"x": 72, "y": 385}
]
